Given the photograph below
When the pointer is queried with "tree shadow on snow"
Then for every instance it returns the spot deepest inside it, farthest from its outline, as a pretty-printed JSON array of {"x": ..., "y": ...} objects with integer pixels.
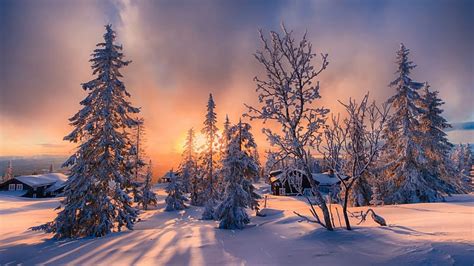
[
  {"x": 157, "y": 240},
  {"x": 157, "y": 231},
  {"x": 403, "y": 230},
  {"x": 32, "y": 207}
]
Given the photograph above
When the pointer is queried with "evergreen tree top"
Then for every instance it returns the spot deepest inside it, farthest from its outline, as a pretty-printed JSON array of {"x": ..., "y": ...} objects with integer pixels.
[
  {"x": 432, "y": 104},
  {"x": 211, "y": 119},
  {"x": 189, "y": 145},
  {"x": 210, "y": 103},
  {"x": 404, "y": 67},
  {"x": 226, "y": 123},
  {"x": 106, "y": 61}
]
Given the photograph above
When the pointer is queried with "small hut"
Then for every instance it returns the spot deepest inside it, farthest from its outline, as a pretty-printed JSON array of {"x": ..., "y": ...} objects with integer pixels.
[
  {"x": 36, "y": 186},
  {"x": 295, "y": 182},
  {"x": 168, "y": 176}
]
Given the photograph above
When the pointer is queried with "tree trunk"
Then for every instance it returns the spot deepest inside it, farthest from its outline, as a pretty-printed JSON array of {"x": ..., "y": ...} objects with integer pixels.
[
  {"x": 327, "y": 217},
  {"x": 321, "y": 203},
  {"x": 344, "y": 210}
]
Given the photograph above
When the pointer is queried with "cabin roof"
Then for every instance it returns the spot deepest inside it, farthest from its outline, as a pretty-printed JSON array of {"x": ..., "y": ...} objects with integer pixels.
[
  {"x": 275, "y": 173},
  {"x": 324, "y": 179},
  {"x": 42, "y": 180},
  {"x": 274, "y": 178}
]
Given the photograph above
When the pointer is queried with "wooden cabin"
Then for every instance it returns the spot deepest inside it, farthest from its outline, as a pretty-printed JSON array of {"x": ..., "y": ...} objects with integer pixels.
[
  {"x": 168, "y": 176},
  {"x": 285, "y": 182},
  {"x": 36, "y": 186}
]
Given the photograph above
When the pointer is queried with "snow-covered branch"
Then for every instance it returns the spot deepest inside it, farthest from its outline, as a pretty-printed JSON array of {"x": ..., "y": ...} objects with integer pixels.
[
  {"x": 353, "y": 144},
  {"x": 287, "y": 95}
]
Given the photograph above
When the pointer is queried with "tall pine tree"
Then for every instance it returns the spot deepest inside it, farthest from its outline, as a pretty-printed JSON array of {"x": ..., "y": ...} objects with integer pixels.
[
  {"x": 148, "y": 196},
  {"x": 251, "y": 167},
  {"x": 175, "y": 199},
  {"x": 462, "y": 160},
  {"x": 189, "y": 172},
  {"x": 239, "y": 168},
  {"x": 223, "y": 143},
  {"x": 437, "y": 146},
  {"x": 410, "y": 180},
  {"x": 96, "y": 202},
  {"x": 208, "y": 158}
]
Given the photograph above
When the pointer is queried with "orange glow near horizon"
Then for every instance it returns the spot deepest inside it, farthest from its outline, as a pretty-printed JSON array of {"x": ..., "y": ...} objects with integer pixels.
[{"x": 199, "y": 142}]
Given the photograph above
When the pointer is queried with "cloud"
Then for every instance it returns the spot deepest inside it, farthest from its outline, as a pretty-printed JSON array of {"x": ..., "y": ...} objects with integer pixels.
[
  {"x": 463, "y": 126},
  {"x": 51, "y": 145},
  {"x": 182, "y": 50}
]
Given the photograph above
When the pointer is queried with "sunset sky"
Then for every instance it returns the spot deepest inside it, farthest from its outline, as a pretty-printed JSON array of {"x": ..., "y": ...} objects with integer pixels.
[{"x": 184, "y": 50}]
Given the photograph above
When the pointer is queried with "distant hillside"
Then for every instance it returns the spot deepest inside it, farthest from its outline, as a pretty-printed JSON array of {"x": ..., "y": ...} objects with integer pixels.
[
  {"x": 462, "y": 126},
  {"x": 27, "y": 165}
]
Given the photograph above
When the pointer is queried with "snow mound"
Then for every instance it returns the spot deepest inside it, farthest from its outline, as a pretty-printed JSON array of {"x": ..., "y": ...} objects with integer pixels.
[{"x": 270, "y": 212}]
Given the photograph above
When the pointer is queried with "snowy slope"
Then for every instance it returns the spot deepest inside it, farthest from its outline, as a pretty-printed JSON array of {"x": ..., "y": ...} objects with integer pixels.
[{"x": 431, "y": 233}]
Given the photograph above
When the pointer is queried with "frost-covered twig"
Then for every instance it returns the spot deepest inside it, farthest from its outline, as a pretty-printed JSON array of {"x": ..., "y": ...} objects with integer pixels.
[
  {"x": 353, "y": 144},
  {"x": 363, "y": 216},
  {"x": 287, "y": 95},
  {"x": 308, "y": 219}
]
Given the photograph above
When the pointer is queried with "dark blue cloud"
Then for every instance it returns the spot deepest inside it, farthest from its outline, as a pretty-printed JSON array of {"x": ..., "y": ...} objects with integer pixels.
[
  {"x": 203, "y": 44},
  {"x": 463, "y": 126}
]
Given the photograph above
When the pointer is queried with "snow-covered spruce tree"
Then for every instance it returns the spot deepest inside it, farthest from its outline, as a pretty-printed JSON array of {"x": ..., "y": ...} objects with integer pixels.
[
  {"x": 137, "y": 160},
  {"x": 351, "y": 148},
  {"x": 287, "y": 96},
  {"x": 238, "y": 168},
  {"x": 457, "y": 156},
  {"x": 148, "y": 196},
  {"x": 407, "y": 173},
  {"x": 272, "y": 162},
  {"x": 175, "y": 199},
  {"x": 208, "y": 159},
  {"x": 256, "y": 156},
  {"x": 376, "y": 197},
  {"x": 462, "y": 160},
  {"x": 96, "y": 202},
  {"x": 187, "y": 168},
  {"x": 223, "y": 143},
  {"x": 437, "y": 145},
  {"x": 225, "y": 134},
  {"x": 467, "y": 159},
  {"x": 189, "y": 171},
  {"x": 248, "y": 148}
]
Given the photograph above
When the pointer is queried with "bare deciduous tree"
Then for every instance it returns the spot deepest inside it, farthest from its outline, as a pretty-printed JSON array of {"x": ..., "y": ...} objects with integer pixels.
[
  {"x": 353, "y": 144},
  {"x": 287, "y": 95}
]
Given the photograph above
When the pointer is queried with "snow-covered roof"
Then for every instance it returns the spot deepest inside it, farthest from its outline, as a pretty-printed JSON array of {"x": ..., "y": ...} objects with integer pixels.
[
  {"x": 274, "y": 178},
  {"x": 59, "y": 184},
  {"x": 326, "y": 179},
  {"x": 42, "y": 180},
  {"x": 275, "y": 172}
]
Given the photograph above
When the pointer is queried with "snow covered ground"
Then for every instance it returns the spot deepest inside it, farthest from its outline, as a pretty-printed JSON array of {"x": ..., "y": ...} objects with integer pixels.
[{"x": 426, "y": 234}]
